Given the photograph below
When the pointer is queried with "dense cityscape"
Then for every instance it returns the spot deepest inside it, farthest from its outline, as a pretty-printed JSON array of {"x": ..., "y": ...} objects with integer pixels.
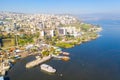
[
  {"x": 59, "y": 40},
  {"x": 42, "y": 35}
]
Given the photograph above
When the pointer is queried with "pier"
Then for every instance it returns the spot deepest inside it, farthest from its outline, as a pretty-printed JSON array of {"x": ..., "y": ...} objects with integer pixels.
[{"x": 38, "y": 61}]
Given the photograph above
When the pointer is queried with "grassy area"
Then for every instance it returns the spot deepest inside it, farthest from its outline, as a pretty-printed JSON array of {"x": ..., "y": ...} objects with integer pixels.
[{"x": 65, "y": 45}]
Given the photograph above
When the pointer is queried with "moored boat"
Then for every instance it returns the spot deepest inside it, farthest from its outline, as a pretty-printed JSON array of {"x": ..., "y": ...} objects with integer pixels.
[
  {"x": 47, "y": 68},
  {"x": 65, "y": 53},
  {"x": 65, "y": 58},
  {"x": 37, "y": 57}
]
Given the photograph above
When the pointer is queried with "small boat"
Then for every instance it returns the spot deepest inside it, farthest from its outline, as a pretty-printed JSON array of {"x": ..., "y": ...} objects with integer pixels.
[
  {"x": 37, "y": 57},
  {"x": 47, "y": 68},
  {"x": 17, "y": 57},
  {"x": 56, "y": 56},
  {"x": 65, "y": 58},
  {"x": 65, "y": 53}
]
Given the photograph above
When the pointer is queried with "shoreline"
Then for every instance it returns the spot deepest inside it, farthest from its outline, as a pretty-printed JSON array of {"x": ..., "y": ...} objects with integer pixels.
[
  {"x": 79, "y": 43},
  {"x": 66, "y": 35}
]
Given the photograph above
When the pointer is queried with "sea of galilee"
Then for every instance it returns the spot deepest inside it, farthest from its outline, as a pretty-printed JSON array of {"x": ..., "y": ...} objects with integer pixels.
[
  {"x": 94, "y": 60},
  {"x": 59, "y": 40}
]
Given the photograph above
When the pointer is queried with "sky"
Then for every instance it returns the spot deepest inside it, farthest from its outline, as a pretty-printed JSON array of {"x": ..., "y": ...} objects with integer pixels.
[{"x": 61, "y": 6}]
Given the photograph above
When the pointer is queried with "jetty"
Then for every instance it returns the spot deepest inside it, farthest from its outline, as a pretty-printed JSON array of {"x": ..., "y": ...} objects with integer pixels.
[
  {"x": 65, "y": 58},
  {"x": 38, "y": 61}
]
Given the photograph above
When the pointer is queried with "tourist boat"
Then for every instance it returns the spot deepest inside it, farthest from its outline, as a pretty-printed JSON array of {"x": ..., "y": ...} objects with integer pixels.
[{"x": 47, "y": 68}]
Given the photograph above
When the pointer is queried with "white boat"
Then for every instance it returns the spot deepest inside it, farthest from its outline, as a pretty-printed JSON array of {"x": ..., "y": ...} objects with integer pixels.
[
  {"x": 56, "y": 56},
  {"x": 37, "y": 57},
  {"x": 65, "y": 53},
  {"x": 47, "y": 68}
]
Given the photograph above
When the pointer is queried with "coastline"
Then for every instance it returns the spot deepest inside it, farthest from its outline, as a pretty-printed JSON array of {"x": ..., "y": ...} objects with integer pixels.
[
  {"x": 77, "y": 42},
  {"x": 46, "y": 41}
]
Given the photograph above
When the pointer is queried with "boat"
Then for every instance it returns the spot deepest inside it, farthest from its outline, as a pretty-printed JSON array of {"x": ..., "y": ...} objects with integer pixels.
[
  {"x": 37, "y": 57},
  {"x": 17, "y": 57},
  {"x": 65, "y": 58},
  {"x": 65, "y": 53},
  {"x": 47, "y": 68},
  {"x": 56, "y": 56}
]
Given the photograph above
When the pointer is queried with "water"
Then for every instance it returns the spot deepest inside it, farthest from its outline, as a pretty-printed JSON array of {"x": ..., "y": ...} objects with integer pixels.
[{"x": 94, "y": 60}]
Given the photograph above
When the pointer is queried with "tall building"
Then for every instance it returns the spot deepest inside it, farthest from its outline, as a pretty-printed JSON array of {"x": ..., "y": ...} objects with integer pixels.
[
  {"x": 41, "y": 25},
  {"x": 52, "y": 32},
  {"x": 62, "y": 31},
  {"x": 42, "y": 33},
  {"x": 15, "y": 26}
]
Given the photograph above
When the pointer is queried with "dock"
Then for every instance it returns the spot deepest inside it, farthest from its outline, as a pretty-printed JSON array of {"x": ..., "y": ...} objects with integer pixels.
[
  {"x": 65, "y": 58},
  {"x": 38, "y": 61}
]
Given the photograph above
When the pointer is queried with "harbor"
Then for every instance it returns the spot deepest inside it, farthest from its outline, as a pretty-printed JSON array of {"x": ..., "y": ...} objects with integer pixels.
[
  {"x": 39, "y": 61},
  {"x": 42, "y": 53}
]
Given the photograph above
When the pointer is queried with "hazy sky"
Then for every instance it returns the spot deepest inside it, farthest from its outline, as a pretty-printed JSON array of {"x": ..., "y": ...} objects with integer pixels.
[{"x": 61, "y": 6}]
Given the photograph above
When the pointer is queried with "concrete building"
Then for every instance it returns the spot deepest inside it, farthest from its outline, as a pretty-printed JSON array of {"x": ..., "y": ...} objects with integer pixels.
[
  {"x": 52, "y": 33},
  {"x": 42, "y": 33},
  {"x": 62, "y": 31}
]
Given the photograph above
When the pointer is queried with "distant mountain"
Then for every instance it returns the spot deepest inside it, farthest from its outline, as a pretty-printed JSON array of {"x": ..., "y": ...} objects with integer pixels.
[{"x": 98, "y": 16}]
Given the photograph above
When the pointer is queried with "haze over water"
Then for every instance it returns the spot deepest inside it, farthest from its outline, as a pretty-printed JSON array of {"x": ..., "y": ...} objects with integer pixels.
[{"x": 94, "y": 60}]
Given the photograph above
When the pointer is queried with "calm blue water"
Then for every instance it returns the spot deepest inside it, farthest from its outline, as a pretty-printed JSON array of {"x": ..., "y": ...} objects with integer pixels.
[{"x": 95, "y": 60}]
